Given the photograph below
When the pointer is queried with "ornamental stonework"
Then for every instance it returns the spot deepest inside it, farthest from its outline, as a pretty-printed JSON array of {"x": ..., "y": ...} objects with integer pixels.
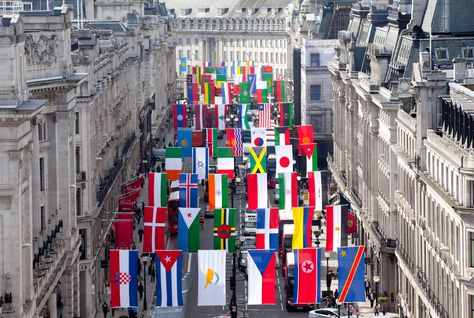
[{"x": 41, "y": 51}]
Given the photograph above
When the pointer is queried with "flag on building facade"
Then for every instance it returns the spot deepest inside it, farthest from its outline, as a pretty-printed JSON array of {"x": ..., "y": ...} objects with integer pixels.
[
  {"x": 286, "y": 114},
  {"x": 188, "y": 190},
  {"x": 258, "y": 137},
  {"x": 218, "y": 191},
  {"x": 192, "y": 91},
  {"x": 220, "y": 116},
  {"x": 267, "y": 229},
  {"x": 179, "y": 116},
  {"x": 201, "y": 162},
  {"x": 211, "y": 141},
  {"x": 303, "y": 220},
  {"x": 211, "y": 278},
  {"x": 268, "y": 77},
  {"x": 226, "y": 93},
  {"x": 225, "y": 161},
  {"x": 234, "y": 140},
  {"x": 237, "y": 80},
  {"x": 279, "y": 92},
  {"x": 309, "y": 160},
  {"x": 157, "y": 189},
  {"x": 173, "y": 162},
  {"x": 123, "y": 278},
  {"x": 154, "y": 222},
  {"x": 200, "y": 116},
  {"x": 257, "y": 191},
  {"x": 188, "y": 229},
  {"x": 284, "y": 158},
  {"x": 128, "y": 201},
  {"x": 333, "y": 227},
  {"x": 243, "y": 118},
  {"x": 252, "y": 80},
  {"x": 282, "y": 136},
  {"x": 123, "y": 229},
  {"x": 185, "y": 141},
  {"x": 133, "y": 185},
  {"x": 264, "y": 115},
  {"x": 351, "y": 274},
  {"x": 244, "y": 93},
  {"x": 262, "y": 93},
  {"x": 224, "y": 229},
  {"x": 258, "y": 159},
  {"x": 261, "y": 277},
  {"x": 288, "y": 184},
  {"x": 183, "y": 65},
  {"x": 169, "y": 292},
  {"x": 315, "y": 190},
  {"x": 351, "y": 223},
  {"x": 307, "y": 288}
]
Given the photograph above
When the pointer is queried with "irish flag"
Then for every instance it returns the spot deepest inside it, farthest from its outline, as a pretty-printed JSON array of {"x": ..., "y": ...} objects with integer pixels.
[
  {"x": 157, "y": 189},
  {"x": 257, "y": 191},
  {"x": 218, "y": 191},
  {"x": 225, "y": 161},
  {"x": 173, "y": 162},
  {"x": 288, "y": 190}
]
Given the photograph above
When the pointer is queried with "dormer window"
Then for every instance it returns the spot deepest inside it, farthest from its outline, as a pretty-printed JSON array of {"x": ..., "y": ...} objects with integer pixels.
[
  {"x": 468, "y": 52},
  {"x": 185, "y": 12},
  {"x": 223, "y": 11},
  {"x": 203, "y": 10},
  {"x": 441, "y": 54},
  {"x": 240, "y": 10}
]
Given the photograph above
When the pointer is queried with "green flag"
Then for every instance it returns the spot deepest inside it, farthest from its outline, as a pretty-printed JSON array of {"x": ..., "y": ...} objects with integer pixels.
[{"x": 224, "y": 229}]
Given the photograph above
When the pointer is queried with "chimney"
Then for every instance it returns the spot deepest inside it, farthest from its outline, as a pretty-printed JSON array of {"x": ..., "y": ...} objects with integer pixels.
[{"x": 459, "y": 69}]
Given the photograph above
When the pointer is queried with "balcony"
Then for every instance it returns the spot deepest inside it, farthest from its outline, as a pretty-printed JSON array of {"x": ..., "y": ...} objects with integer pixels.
[{"x": 107, "y": 182}]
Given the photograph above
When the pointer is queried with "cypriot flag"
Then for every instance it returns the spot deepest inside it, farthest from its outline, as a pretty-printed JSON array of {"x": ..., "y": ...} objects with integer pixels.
[{"x": 211, "y": 277}]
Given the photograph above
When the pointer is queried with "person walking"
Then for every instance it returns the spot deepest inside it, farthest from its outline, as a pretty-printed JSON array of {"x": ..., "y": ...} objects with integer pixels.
[
  {"x": 336, "y": 294},
  {"x": 367, "y": 287},
  {"x": 152, "y": 274},
  {"x": 105, "y": 309},
  {"x": 201, "y": 220},
  {"x": 357, "y": 312},
  {"x": 140, "y": 234},
  {"x": 140, "y": 290},
  {"x": 372, "y": 299},
  {"x": 377, "y": 310}
]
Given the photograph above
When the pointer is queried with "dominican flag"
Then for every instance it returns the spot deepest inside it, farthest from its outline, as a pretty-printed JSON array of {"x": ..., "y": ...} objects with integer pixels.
[
  {"x": 243, "y": 119},
  {"x": 257, "y": 191},
  {"x": 267, "y": 229},
  {"x": 211, "y": 141},
  {"x": 262, "y": 277},
  {"x": 173, "y": 162},
  {"x": 179, "y": 116},
  {"x": 188, "y": 190},
  {"x": 192, "y": 92},
  {"x": 288, "y": 184},
  {"x": 234, "y": 140},
  {"x": 225, "y": 161},
  {"x": 286, "y": 114},
  {"x": 200, "y": 116},
  {"x": 226, "y": 93},
  {"x": 334, "y": 226},
  {"x": 303, "y": 220},
  {"x": 188, "y": 229},
  {"x": 252, "y": 79},
  {"x": 351, "y": 274},
  {"x": 307, "y": 288},
  {"x": 154, "y": 221},
  {"x": 224, "y": 229},
  {"x": 315, "y": 190},
  {"x": 185, "y": 141},
  {"x": 284, "y": 159},
  {"x": 201, "y": 162},
  {"x": 123, "y": 278},
  {"x": 168, "y": 278},
  {"x": 264, "y": 115},
  {"x": 258, "y": 137},
  {"x": 309, "y": 154},
  {"x": 282, "y": 136},
  {"x": 218, "y": 191},
  {"x": 220, "y": 116}
]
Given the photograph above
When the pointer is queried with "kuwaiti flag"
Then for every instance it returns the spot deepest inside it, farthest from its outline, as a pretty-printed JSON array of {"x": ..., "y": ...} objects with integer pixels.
[
  {"x": 173, "y": 162},
  {"x": 303, "y": 220},
  {"x": 267, "y": 229},
  {"x": 333, "y": 227},
  {"x": 218, "y": 191},
  {"x": 224, "y": 229},
  {"x": 257, "y": 191},
  {"x": 154, "y": 221},
  {"x": 226, "y": 93},
  {"x": 201, "y": 162},
  {"x": 123, "y": 278},
  {"x": 185, "y": 141},
  {"x": 234, "y": 140},
  {"x": 188, "y": 229},
  {"x": 258, "y": 137},
  {"x": 211, "y": 277},
  {"x": 168, "y": 278},
  {"x": 307, "y": 288},
  {"x": 157, "y": 189},
  {"x": 188, "y": 190},
  {"x": 282, "y": 136},
  {"x": 351, "y": 274},
  {"x": 284, "y": 159},
  {"x": 179, "y": 116},
  {"x": 315, "y": 189},
  {"x": 211, "y": 141},
  {"x": 288, "y": 184},
  {"x": 200, "y": 116},
  {"x": 225, "y": 161},
  {"x": 262, "y": 277},
  {"x": 309, "y": 160},
  {"x": 220, "y": 116}
]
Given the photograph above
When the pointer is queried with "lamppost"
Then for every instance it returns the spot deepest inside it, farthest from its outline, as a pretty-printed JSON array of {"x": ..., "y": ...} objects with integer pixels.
[
  {"x": 233, "y": 301},
  {"x": 328, "y": 276},
  {"x": 376, "y": 281},
  {"x": 144, "y": 260},
  {"x": 317, "y": 233}
]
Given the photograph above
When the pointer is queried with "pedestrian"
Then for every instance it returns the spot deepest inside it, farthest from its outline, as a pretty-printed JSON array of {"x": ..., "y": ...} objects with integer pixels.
[
  {"x": 143, "y": 206},
  {"x": 383, "y": 311},
  {"x": 357, "y": 312},
  {"x": 367, "y": 288},
  {"x": 372, "y": 299},
  {"x": 140, "y": 234},
  {"x": 139, "y": 267},
  {"x": 336, "y": 294},
  {"x": 140, "y": 290},
  {"x": 152, "y": 274},
  {"x": 349, "y": 311},
  {"x": 201, "y": 220},
  {"x": 105, "y": 309},
  {"x": 134, "y": 246},
  {"x": 377, "y": 310}
]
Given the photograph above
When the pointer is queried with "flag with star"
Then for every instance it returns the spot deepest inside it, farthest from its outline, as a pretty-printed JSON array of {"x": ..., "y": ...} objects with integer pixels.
[
  {"x": 307, "y": 289},
  {"x": 309, "y": 158},
  {"x": 243, "y": 118},
  {"x": 183, "y": 65},
  {"x": 286, "y": 114},
  {"x": 245, "y": 93},
  {"x": 224, "y": 229},
  {"x": 188, "y": 229},
  {"x": 351, "y": 274},
  {"x": 336, "y": 226},
  {"x": 201, "y": 162},
  {"x": 185, "y": 141},
  {"x": 168, "y": 290}
]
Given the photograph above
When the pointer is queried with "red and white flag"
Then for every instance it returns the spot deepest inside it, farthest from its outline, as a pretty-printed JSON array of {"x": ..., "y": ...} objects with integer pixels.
[
  {"x": 128, "y": 202},
  {"x": 154, "y": 221},
  {"x": 264, "y": 115},
  {"x": 315, "y": 189},
  {"x": 284, "y": 159},
  {"x": 333, "y": 227},
  {"x": 257, "y": 191},
  {"x": 134, "y": 185}
]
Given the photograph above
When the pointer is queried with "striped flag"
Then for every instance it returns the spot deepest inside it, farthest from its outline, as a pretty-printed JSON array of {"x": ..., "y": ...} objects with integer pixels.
[
  {"x": 286, "y": 114},
  {"x": 225, "y": 161},
  {"x": 218, "y": 191},
  {"x": 258, "y": 159},
  {"x": 243, "y": 119},
  {"x": 279, "y": 92},
  {"x": 252, "y": 79},
  {"x": 224, "y": 229},
  {"x": 262, "y": 93},
  {"x": 220, "y": 116},
  {"x": 179, "y": 116},
  {"x": 168, "y": 278},
  {"x": 351, "y": 274},
  {"x": 264, "y": 115},
  {"x": 157, "y": 189},
  {"x": 315, "y": 189},
  {"x": 284, "y": 159},
  {"x": 188, "y": 229},
  {"x": 209, "y": 93},
  {"x": 188, "y": 190},
  {"x": 200, "y": 116},
  {"x": 267, "y": 229},
  {"x": 173, "y": 162},
  {"x": 201, "y": 162},
  {"x": 226, "y": 93},
  {"x": 234, "y": 140},
  {"x": 192, "y": 90},
  {"x": 333, "y": 227},
  {"x": 211, "y": 141},
  {"x": 154, "y": 221},
  {"x": 123, "y": 278},
  {"x": 288, "y": 190},
  {"x": 257, "y": 191},
  {"x": 310, "y": 158},
  {"x": 282, "y": 136},
  {"x": 303, "y": 219}
]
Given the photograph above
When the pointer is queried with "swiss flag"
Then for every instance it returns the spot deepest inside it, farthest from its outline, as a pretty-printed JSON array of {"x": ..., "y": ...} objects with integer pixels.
[{"x": 307, "y": 276}]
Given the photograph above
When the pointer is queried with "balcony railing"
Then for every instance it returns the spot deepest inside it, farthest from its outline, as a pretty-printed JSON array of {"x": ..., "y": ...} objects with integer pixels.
[{"x": 107, "y": 182}]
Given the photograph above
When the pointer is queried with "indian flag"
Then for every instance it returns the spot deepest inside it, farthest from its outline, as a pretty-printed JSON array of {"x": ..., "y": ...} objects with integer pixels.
[
  {"x": 225, "y": 161},
  {"x": 218, "y": 191},
  {"x": 173, "y": 162}
]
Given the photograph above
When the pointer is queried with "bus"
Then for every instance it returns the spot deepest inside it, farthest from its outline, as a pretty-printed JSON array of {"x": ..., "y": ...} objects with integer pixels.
[
  {"x": 173, "y": 204},
  {"x": 289, "y": 269},
  {"x": 286, "y": 243}
]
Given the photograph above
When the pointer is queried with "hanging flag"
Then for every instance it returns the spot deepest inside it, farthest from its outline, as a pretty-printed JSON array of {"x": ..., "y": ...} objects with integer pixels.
[
  {"x": 303, "y": 220},
  {"x": 243, "y": 119},
  {"x": 236, "y": 88},
  {"x": 262, "y": 93},
  {"x": 258, "y": 137},
  {"x": 196, "y": 74},
  {"x": 225, "y": 161},
  {"x": 123, "y": 278},
  {"x": 226, "y": 93},
  {"x": 309, "y": 158},
  {"x": 128, "y": 201},
  {"x": 218, "y": 191},
  {"x": 173, "y": 162},
  {"x": 315, "y": 190},
  {"x": 333, "y": 227},
  {"x": 234, "y": 67},
  {"x": 258, "y": 159},
  {"x": 252, "y": 80},
  {"x": 154, "y": 221},
  {"x": 221, "y": 77},
  {"x": 307, "y": 288},
  {"x": 264, "y": 115},
  {"x": 188, "y": 229},
  {"x": 288, "y": 184},
  {"x": 211, "y": 141},
  {"x": 185, "y": 141},
  {"x": 211, "y": 278},
  {"x": 224, "y": 229},
  {"x": 305, "y": 135},
  {"x": 244, "y": 93},
  {"x": 268, "y": 77},
  {"x": 192, "y": 90},
  {"x": 197, "y": 138},
  {"x": 182, "y": 65},
  {"x": 351, "y": 223},
  {"x": 280, "y": 96},
  {"x": 286, "y": 114},
  {"x": 179, "y": 115},
  {"x": 200, "y": 116},
  {"x": 282, "y": 136},
  {"x": 133, "y": 185},
  {"x": 169, "y": 292},
  {"x": 257, "y": 190},
  {"x": 123, "y": 228},
  {"x": 220, "y": 116},
  {"x": 234, "y": 140},
  {"x": 261, "y": 277},
  {"x": 267, "y": 229},
  {"x": 284, "y": 159},
  {"x": 201, "y": 162},
  {"x": 188, "y": 190},
  {"x": 209, "y": 93},
  {"x": 351, "y": 274}
]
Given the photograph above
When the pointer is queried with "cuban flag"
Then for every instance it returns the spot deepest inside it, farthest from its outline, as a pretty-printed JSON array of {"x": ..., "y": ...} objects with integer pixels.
[
  {"x": 123, "y": 278},
  {"x": 307, "y": 288},
  {"x": 188, "y": 190},
  {"x": 179, "y": 112},
  {"x": 267, "y": 229},
  {"x": 201, "y": 162},
  {"x": 262, "y": 277},
  {"x": 168, "y": 278}
]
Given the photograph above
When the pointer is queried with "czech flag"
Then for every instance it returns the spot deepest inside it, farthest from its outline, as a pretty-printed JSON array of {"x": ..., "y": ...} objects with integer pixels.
[
  {"x": 168, "y": 278},
  {"x": 262, "y": 277},
  {"x": 123, "y": 278},
  {"x": 351, "y": 274},
  {"x": 307, "y": 288},
  {"x": 267, "y": 229},
  {"x": 179, "y": 116}
]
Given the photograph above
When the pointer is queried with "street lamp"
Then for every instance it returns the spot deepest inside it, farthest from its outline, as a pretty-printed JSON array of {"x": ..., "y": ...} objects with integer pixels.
[
  {"x": 144, "y": 260},
  {"x": 376, "y": 281},
  {"x": 233, "y": 301},
  {"x": 328, "y": 276}
]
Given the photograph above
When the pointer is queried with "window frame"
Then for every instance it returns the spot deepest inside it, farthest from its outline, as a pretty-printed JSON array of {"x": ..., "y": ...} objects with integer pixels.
[{"x": 311, "y": 92}]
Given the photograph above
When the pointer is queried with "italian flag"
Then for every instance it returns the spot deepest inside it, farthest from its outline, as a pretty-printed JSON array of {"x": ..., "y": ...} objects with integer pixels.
[
  {"x": 280, "y": 91},
  {"x": 310, "y": 153},
  {"x": 188, "y": 229},
  {"x": 257, "y": 192},
  {"x": 333, "y": 227},
  {"x": 157, "y": 189},
  {"x": 218, "y": 191},
  {"x": 225, "y": 161},
  {"x": 315, "y": 189},
  {"x": 173, "y": 162},
  {"x": 288, "y": 190}
]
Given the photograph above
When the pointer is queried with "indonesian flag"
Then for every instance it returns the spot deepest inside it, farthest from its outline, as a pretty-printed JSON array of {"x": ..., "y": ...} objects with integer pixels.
[
  {"x": 200, "y": 116},
  {"x": 267, "y": 229},
  {"x": 305, "y": 135},
  {"x": 226, "y": 93},
  {"x": 307, "y": 288},
  {"x": 257, "y": 191},
  {"x": 315, "y": 189},
  {"x": 128, "y": 201},
  {"x": 220, "y": 116},
  {"x": 218, "y": 191},
  {"x": 288, "y": 190},
  {"x": 310, "y": 158},
  {"x": 333, "y": 227},
  {"x": 134, "y": 185},
  {"x": 123, "y": 278},
  {"x": 262, "y": 277},
  {"x": 154, "y": 221},
  {"x": 157, "y": 189},
  {"x": 225, "y": 161},
  {"x": 179, "y": 116},
  {"x": 258, "y": 137},
  {"x": 173, "y": 162},
  {"x": 284, "y": 159}
]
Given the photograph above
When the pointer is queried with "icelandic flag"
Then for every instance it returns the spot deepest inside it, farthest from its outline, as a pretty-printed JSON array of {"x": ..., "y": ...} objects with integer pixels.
[
  {"x": 307, "y": 288},
  {"x": 351, "y": 274},
  {"x": 267, "y": 229},
  {"x": 168, "y": 278},
  {"x": 179, "y": 118},
  {"x": 262, "y": 277},
  {"x": 252, "y": 79},
  {"x": 123, "y": 278},
  {"x": 201, "y": 162},
  {"x": 303, "y": 219},
  {"x": 185, "y": 141},
  {"x": 188, "y": 190}
]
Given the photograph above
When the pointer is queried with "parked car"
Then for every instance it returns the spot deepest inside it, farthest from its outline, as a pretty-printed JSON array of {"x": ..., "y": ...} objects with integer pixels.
[
  {"x": 327, "y": 312},
  {"x": 209, "y": 214}
]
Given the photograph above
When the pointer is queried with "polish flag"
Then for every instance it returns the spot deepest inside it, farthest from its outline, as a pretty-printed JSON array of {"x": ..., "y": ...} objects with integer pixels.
[{"x": 257, "y": 191}]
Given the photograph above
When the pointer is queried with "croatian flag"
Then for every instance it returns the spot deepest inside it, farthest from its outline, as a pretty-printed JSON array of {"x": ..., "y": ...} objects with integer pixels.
[
  {"x": 123, "y": 278},
  {"x": 267, "y": 229},
  {"x": 168, "y": 278},
  {"x": 262, "y": 277},
  {"x": 188, "y": 190},
  {"x": 307, "y": 288}
]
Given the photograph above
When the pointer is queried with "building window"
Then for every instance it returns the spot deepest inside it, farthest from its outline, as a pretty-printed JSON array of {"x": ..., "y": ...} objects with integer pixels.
[
  {"x": 314, "y": 60},
  {"x": 468, "y": 52},
  {"x": 42, "y": 218},
  {"x": 83, "y": 246},
  {"x": 78, "y": 202},
  {"x": 188, "y": 54},
  {"x": 196, "y": 55},
  {"x": 315, "y": 92},
  {"x": 41, "y": 171},
  {"x": 77, "y": 122},
  {"x": 180, "y": 53},
  {"x": 188, "y": 41},
  {"x": 441, "y": 54},
  {"x": 471, "y": 248},
  {"x": 42, "y": 131},
  {"x": 78, "y": 159}
]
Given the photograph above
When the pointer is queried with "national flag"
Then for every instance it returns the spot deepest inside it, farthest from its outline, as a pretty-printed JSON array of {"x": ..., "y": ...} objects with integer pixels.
[
  {"x": 266, "y": 69},
  {"x": 169, "y": 292},
  {"x": 305, "y": 135},
  {"x": 288, "y": 184},
  {"x": 197, "y": 73},
  {"x": 209, "y": 93},
  {"x": 128, "y": 201},
  {"x": 243, "y": 71},
  {"x": 258, "y": 137},
  {"x": 284, "y": 159},
  {"x": 185, "y": 141},
  {"x": 182, "y": 65},
  {"x": 333, "y": 227},
  {"x": 351, "y": 223},
  {"x": 188, "y": 229},
  {"x": 268, "y": 77},
  {"x": 351, "y": 274},
  {"x": 226, "y": 93},
  {"x": 154, "y": 222},
  {"x": 221, "y": 74},
  {"x": 211, "y": 277},
  {"x": 307, "y": 289},
  {"x": 279, "y": 92},
  {"x": 237, "y": 80},
  {"x": 220, "y": 116},
  {"x": 206, "y": 78},
  {"x": 173, "y": 162},
  {"x": 262, "y": 93},
  {"x": 234, "y": 67},
  {"x": 197, "y": 138},
  {"x": 282, "y": 136},
  {"x": 244, "y": 93},
  {"x": 243, "y": 119},
  {"x": 123, "y": 278},
  {"x": 211, "y": 141},
  {"x": 218, "y": 191},
  {"x": 200, "y": 116},
  {"x": 179, "y": 116},
  {"x": 267, "y": 229},
  {"x": 252, "y": 80},
  {"x": 309, "y": 158},
  {"x": 188, "y": 190},
  {"x": 201, "y": 162},
  {"x": 257, "y": 191},
  {"x": 234, "y": 140},
  {"x": 303, "y": 219},
  {"x": 264, "y": 115},
  {"x": 133, "y": 185},
  {"x": 315, "y": 190},
  {"x": 225, "y": 161},
  {"x": 192, "y": 90},
  {"x": 123, "y": 229},
  {"x": 224, "y": 229},
  {"x": 258, "y": 159},
  {"x": 261, "y": 277},
  {"x": 286, "y": 114}
]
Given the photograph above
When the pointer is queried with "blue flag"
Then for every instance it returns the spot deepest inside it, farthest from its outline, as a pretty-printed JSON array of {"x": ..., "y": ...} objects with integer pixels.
[
  {"x": 182, "y": 65},
  {"x": 185, "y": 141},
  {"x": 252, "y": 79},
  {"x": 188, "y": 190},
  {"x": 351, "y": 274}
]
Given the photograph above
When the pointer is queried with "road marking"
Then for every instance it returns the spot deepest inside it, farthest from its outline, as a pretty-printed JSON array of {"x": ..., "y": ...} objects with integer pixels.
[{"x": 189, "y": 261}]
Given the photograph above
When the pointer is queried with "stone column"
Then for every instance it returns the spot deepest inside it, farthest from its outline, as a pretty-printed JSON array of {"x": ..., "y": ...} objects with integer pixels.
[{"x": 52, "y": 306}]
